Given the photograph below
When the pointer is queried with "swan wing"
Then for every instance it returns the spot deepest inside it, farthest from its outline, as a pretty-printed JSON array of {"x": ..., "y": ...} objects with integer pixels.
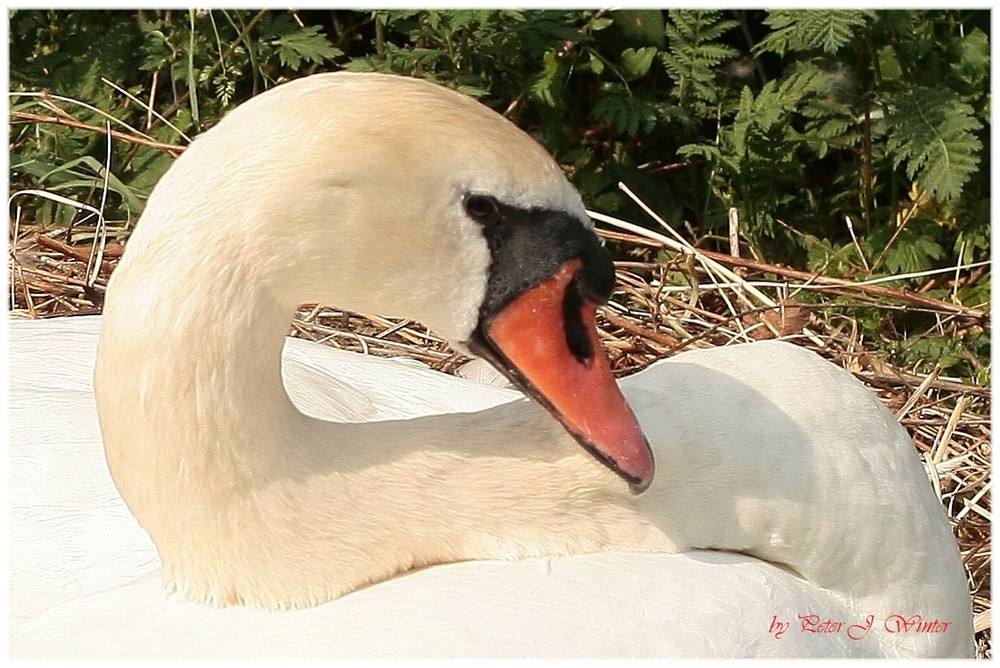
[
  {"x": 71, "y": 535},
  {"x": 380, "y": 388},
  {"x": 599, "y": 605}
]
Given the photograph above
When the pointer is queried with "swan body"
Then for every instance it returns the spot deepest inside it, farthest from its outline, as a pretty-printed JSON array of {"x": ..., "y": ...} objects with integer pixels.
[{"x": 271, "y": 474}]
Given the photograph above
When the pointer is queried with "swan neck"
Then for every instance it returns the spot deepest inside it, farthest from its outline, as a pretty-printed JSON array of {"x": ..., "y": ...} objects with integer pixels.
[{"x": 199, "y": 366}]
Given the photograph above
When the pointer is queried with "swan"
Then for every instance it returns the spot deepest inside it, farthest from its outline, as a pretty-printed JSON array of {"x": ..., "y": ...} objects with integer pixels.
[{"x": 262, "y": 496}]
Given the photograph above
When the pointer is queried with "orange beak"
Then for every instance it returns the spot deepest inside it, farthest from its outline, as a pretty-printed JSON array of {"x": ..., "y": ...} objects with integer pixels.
[{"x": 546, "y": 342}]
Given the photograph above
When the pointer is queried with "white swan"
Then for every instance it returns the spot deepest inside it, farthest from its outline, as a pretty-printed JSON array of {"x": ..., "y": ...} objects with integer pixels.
[{"x": 783, "y": 487}]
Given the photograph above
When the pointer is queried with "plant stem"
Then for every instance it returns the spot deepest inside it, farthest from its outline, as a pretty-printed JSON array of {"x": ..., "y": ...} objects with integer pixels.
[
  {"x": 379, "y": 37},
  {"x": 242, "y": 36}
]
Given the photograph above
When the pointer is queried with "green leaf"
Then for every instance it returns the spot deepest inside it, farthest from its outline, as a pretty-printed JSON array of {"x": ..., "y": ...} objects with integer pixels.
[
  {"x": 472, "y": 91},
  {"x": 627, "y": 114},
  {"x": 913, "y": 252},
  {"x": 601, "y": 23},
  {"x": 306, "y": 44},
  {"x": 693, "y": 56},
  {"x": 640, "y": 27},
  {"x": 636, "y": 62},
  {"x": 973, "y": 57},
  {"x": 808, "y": 30},
  {"x": 888, "y": 64},
  {"x": 595, "y": 63},
  {"x": 932, "y": 133},
  {"x": 741, "y": 124},
  {"x": 546, "y": 84}
]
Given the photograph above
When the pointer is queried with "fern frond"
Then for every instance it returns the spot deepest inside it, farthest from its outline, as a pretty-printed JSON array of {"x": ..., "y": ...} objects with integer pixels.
[
  {"x": 801, "y": 30},
  {"x": 933, "y": 134},
  {"x": 777, "y": 99},
  {"x": 626, "y": 113},
  {"x": 693, "y": 52},
  {"x": 689, "y": 26}
]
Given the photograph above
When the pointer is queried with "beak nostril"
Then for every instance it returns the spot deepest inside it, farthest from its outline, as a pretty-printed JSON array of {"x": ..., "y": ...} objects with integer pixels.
[
  {"x": 597, "y": 278},
  {"x": 577, "y": 337}
]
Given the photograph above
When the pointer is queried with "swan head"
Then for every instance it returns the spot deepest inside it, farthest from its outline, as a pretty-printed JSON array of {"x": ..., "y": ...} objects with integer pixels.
[{"x": 392, "y": 195}]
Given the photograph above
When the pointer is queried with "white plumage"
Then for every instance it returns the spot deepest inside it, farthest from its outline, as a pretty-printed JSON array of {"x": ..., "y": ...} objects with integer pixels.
[{"x": 783, "y": 486}]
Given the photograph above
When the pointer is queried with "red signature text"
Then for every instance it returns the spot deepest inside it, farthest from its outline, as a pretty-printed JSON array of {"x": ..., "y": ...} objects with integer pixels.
[{"x": 818, "y": 624}]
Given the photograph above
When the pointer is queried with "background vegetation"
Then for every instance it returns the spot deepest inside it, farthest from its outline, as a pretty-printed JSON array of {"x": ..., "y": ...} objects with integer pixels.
[{"x": 851, "y": 143}]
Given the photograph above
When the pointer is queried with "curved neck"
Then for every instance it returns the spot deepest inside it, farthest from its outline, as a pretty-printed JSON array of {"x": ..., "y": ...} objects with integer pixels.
[{"x": 234, "y": 484}]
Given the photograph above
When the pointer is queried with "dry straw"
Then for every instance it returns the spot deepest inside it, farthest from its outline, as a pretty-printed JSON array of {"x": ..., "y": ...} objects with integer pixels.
[{"x": 670, "y": 297}]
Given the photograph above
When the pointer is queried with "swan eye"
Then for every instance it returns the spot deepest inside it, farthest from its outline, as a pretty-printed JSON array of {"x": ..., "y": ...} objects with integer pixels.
[{"x": 482, "y": 208}]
